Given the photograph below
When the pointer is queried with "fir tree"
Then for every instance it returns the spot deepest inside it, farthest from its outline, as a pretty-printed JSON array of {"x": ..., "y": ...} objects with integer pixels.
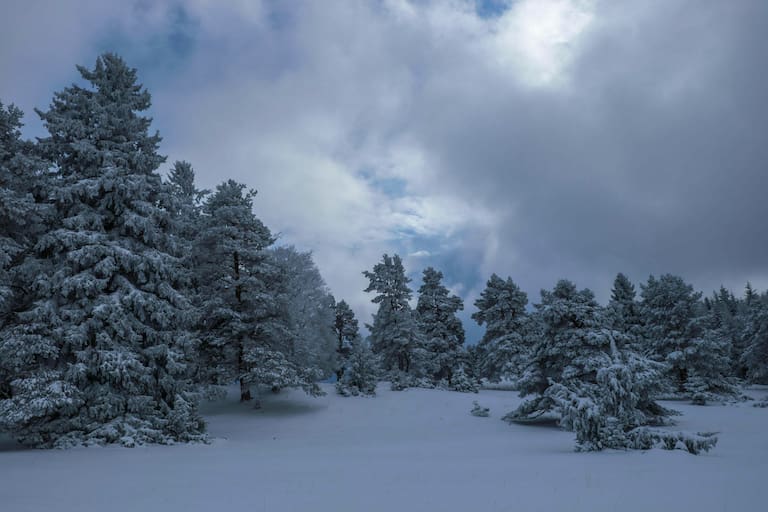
[
  {"x": 101, "y": 356},
  {"x": 501, "y": 308},
  {"x": 441, "y": 329}
]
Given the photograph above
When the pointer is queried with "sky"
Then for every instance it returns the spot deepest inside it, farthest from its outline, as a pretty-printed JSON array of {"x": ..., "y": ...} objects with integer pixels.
[{"x": 537, "y": 139}]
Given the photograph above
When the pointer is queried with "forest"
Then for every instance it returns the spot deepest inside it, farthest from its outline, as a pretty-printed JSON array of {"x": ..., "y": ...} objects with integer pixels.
[{"x": 128, "y": 298}]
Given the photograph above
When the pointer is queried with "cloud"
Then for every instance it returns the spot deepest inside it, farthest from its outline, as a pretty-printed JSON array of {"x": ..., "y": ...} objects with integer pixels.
[{"x": 537, "y": 139}]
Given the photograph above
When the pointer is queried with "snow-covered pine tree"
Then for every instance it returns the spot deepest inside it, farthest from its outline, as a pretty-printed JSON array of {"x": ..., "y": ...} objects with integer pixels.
[
  {"x": 186, "y": 210},
  {"x": 442, "y": 332},
  {"x": 22, "y": 216},
  {"x": 725, "y": 316},
  {"x": 582, "y": 371},
  {"x": 573, "y": 345},
  {"x": 361, "y": 370},
  {"x": 755, "y": 357},
  {"x": 741, "y": 320},
  {"x": 472, "y": 363},
  {"x": 675, "y": 327},
  {"x": 346, "y": 331},
  {"x": 101, "y": 356},
  {"x": 503, "y": 349},
  {"x": 358, "y": 371},
  {"x": 623, "y": 313},
  {"x": 188, "y": 203},
  {"x": 310, "y": 309},
  {"x": 244, "y": 327},
  {"x": 616, "y": 410},
  {"x": 228, "y": 255},
  {"x": 394, "y": 337}
]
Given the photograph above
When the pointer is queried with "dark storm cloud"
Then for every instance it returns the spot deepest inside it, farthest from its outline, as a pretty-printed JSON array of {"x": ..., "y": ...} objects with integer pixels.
[
  {"x": 541, "y": 139},
  {"x": 651, "y": 159}
]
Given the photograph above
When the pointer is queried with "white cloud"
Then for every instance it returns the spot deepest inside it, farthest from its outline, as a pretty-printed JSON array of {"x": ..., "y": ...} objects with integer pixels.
[
  {"x": 535, "y": 39},
  {"x": 520, "y": 141}
]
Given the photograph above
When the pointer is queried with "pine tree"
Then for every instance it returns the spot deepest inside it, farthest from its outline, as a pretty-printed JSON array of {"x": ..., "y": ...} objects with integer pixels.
[
  {"x": 755, "y": 357},
  {"x": 360, "y": 373},
  {"x": 245, "y": 327},
  {"x": 394, "y": 335},
  {"x": 441, "y": 329},
  {"x": 738, "y": 326},
  {"x": 186, "y": 214},
  {"x": 503, "y": 349},
  {"x": 623, "y": 313},
  {"x": 585, "y": 373},
  {"x": 346, "y": 331},
  {"x": 21, "y": 211},
  {"x": 573, "y": 345},
  {"x": 188, "y": 203},
  {"x": 675, "y": 325},
  {"x": 22, "y": 217},
  {"x": 102, "y": 358},
  {"x": 309, "y": 309}
]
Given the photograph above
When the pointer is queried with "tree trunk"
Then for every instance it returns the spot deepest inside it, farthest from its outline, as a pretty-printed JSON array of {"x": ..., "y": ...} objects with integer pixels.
[
  {"x": 236, "y": 265},
  {"x": 245, "y": 391}
]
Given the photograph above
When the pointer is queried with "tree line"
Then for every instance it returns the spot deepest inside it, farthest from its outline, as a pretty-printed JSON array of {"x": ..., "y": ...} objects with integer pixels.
[{"x": 126, "y": 298}]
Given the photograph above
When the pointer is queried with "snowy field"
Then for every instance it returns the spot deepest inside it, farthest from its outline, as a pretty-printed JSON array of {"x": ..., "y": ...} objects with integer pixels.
[{"x": 418, "y": 450}]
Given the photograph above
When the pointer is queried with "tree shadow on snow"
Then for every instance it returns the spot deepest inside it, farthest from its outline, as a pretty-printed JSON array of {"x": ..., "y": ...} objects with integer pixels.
[{"x": 8, "y": 444}]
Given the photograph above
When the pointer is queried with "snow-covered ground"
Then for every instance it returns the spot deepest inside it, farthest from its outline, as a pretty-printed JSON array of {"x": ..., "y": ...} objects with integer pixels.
[{"x": 417, "y": 450}]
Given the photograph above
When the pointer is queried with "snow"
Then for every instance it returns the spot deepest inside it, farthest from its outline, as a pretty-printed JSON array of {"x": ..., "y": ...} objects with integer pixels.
[{"x": 417, "y": 450}]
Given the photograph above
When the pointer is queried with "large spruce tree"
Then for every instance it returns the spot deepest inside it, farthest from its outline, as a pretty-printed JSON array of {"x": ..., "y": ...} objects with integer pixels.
[
  {"x": 22, "y": 217},
  {"x": 101, "y": 357}
]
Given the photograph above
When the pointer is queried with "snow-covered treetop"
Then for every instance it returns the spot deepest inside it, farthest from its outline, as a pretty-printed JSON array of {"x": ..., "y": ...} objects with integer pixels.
[{"x": 389, "y": 281}]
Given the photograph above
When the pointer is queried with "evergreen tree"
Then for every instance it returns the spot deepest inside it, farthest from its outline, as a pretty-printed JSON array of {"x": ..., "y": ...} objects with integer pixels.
[
  {"x": 229, "y": 259},
  {"x": 100, "y": 357},
  {"x": 623, "y": 313},
  {"x": 346, "y": 331},
  {"x": 188, "y": 203},
  {"x": 441, "y": 329},
  {"x": 573, "y": 345},
  {"x": 186, "y": 214},
  {"x": 698, "y": 360},
  {"x": 244, "y": 328},
  {"x": 755, "y": 357},
  {"x": 501, "y": 307},
  {"x": 21, "y": 211},
  {"x": 360, "y": 373},
  {"x": 580, "y": 372},
  {"x": 738, "y": 330},
  {"x": 22, "y": 217},
  {"x": 394, "y": 335},
  {"x": 309, "y": 310}
]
